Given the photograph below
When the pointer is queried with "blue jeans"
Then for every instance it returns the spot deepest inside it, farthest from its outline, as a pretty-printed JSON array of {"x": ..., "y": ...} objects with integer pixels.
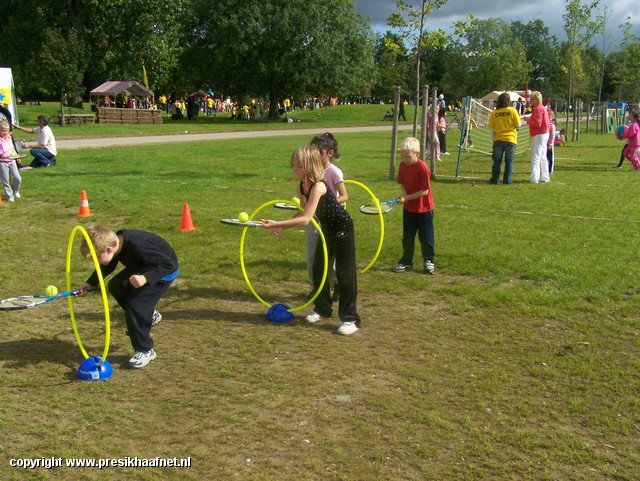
[
  {"x": 500, "y": 148},
  {"x": 423, "y": 225},
  {"x": 42, "y": 158}
]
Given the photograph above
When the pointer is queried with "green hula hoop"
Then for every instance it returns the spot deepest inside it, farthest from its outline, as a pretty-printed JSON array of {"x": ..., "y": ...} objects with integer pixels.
[
  {"x": 375, "y": 200},
  {"x": 244, "y": 270},
  {"x": 105, "y": 301}
]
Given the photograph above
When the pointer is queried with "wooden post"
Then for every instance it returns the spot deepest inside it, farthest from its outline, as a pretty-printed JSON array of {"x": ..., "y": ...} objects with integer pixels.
[
  {"x": 423, "y": 122},
  {"x": 394, "y": 134}
]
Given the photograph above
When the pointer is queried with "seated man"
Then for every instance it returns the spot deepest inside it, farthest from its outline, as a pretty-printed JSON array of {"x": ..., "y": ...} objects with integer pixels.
[{"x": 44, "y": 152}]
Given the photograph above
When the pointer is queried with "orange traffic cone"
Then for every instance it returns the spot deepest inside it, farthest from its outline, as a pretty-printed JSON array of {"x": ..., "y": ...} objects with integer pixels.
[
  {"x": 186, "y": 225},
  {"x": 84, "y": 210}
]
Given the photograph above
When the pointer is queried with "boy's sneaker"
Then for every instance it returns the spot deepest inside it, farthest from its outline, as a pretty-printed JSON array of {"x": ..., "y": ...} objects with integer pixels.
[
  {"x": 157, "y": 317},
  {"x": 347, "y": 328},
  {"x": 142, "y": 358},
  {"x": 16, "y": 195},
  {"x": 429, "y": 267},
  {"x": 314, "y": 317},
  {"x": 402, "y": 268}
]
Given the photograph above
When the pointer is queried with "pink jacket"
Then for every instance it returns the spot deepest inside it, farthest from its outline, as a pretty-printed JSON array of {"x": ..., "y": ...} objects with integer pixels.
[{"x": 539, "y": 121}]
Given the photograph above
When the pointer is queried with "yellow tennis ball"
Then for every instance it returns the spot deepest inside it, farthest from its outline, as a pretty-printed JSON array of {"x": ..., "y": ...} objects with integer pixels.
[
  {"x": 51, "y": 291},
  {"x": 243, "y": 217},
  {"x": 296, "y": 201}
]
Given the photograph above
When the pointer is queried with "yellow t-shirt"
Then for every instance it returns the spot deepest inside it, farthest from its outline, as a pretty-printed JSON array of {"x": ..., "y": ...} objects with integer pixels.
[{"x": 505, "y": 123}]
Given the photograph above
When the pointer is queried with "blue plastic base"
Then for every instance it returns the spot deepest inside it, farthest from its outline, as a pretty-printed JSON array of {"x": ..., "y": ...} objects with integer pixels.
[
  {"x": 89, "y": 370},
  {"x": 279, "y": 313}
]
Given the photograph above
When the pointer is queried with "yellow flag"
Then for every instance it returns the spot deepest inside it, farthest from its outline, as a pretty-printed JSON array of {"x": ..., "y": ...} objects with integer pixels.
[{"x": 145, "y": 80}]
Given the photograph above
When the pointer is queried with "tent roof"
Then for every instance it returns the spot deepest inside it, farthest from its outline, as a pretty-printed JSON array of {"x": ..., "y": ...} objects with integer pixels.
[
  {"x": 496, "y": 93},
  {"x": 113, "y": 87}
]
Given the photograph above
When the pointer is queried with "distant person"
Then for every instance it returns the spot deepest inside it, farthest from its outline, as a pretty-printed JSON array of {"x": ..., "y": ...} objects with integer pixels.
[
  {"x": 561, "y": 138},
  {"x": 633, "y": 138},
  {"x": 538, "y": 122},
  {"x": 414, "y": 177},
  {"x": 441, "y": 102},
  {"x": 551, "y": 141},
  {"x": 441, "y": 130},
  {"x": 44, "y": 152},
  {"x": 503, "y": 124},
  {"x": 401, "y": 111},
  {"x": 150, "y": 266},
  {"x": 8, "y": 169}
]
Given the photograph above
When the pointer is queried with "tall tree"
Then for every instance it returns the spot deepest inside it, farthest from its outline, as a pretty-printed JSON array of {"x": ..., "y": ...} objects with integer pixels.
[
  {"x": 277, "y": 49},
  {"x": 579, "y": 28},
  {"x": 541, "y": 52},
  {"x": 488, "y": 56},
  {"x": 392, "y": 64},
  {"x": 410, "y": 20}
]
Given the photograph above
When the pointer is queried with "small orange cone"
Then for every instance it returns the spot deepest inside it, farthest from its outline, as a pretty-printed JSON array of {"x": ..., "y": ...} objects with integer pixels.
[
  {"x": 84, "y": 210},
  {"x": 186, "y": 225}
]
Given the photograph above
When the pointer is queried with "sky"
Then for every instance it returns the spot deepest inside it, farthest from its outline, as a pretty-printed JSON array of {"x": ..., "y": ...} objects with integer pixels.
[{"x": 550, "y": 11}]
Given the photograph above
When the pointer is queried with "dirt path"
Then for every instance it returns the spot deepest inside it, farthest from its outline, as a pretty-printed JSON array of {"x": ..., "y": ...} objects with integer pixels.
[{"x": 159, "y": 139}]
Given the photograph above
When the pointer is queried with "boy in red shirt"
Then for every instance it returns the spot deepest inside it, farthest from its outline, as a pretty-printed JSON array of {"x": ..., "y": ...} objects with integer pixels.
[{"x": 417, "y": 202}]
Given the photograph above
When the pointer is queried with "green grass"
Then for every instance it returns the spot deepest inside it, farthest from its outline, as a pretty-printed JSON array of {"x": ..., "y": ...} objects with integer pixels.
[{"x": 517, "y": 360}]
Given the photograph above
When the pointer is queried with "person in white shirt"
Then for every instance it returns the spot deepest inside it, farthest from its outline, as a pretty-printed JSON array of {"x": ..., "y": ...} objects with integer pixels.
[{"x": 44, "y": 152}]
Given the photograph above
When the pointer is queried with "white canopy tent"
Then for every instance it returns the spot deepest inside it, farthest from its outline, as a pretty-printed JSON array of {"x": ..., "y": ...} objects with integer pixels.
[
  {"x": 8, "y": 93},
  {"x": 116, "y": 87},
  {"x": 514, "y": 96}
]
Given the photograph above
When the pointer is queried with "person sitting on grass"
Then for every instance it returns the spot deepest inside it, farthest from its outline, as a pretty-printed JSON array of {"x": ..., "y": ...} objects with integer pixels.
[
  {"x": 44, "y": 152},
  {"x": 150, "y": 266}
]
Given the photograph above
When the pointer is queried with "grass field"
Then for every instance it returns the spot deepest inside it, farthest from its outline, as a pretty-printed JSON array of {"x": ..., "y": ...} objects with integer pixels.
[{"x": 517, "y": 360}]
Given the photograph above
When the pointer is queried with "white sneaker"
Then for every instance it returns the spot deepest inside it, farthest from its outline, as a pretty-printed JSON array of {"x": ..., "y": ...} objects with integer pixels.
[
  {"x": 10, "y": 200},
  {"x": 157, "y": 317},
  {"x": 347, "y": 328},
  {"x": 16, "y": 195},
  {"x": 314, "y": 317},
  {"x": 141, "y": 359}
]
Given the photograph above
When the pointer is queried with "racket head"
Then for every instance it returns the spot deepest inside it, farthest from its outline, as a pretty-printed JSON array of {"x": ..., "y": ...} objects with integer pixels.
[
  {"x": 285, "y": 206},
  {"x": 237, "y": 223},
  {"x": 372, "y": 209},
  {"x": 22, "y": 302}
]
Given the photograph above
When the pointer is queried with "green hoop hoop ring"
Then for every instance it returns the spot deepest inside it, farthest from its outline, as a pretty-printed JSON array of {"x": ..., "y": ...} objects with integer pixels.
[
  {"x": 375, "y": 200},
  {"x": 244, "y": 270},
  {"x": 105, "y": 301}
]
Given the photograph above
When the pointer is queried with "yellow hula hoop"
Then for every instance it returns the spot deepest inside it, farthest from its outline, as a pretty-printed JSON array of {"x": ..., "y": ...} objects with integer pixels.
[
  {"x": 244, "y": 270},
  {"x": 375, "y": 200},
  {"x": 105, "y": 301}
]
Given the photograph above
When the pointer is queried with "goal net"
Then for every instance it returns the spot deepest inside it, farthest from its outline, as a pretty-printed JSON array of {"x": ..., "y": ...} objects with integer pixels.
[{"x": 475, "y": 143}]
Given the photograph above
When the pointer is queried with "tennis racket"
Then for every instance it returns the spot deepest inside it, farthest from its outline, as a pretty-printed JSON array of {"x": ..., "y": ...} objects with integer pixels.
[
  {"x": 236, "y": 222},
  {"x": 27, "y": 302},
  {"x": 372, "y": 209},
  {"x": 285, "y": 206}
]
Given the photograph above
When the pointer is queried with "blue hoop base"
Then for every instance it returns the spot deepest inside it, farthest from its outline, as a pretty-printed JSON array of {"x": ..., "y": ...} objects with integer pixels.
[
  {"x": 279, "y": 313},
  {"x": 90, "y": 371}
]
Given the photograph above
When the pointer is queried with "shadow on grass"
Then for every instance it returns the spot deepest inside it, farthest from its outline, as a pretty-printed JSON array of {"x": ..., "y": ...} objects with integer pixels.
[{"x": 32, "y": 352}]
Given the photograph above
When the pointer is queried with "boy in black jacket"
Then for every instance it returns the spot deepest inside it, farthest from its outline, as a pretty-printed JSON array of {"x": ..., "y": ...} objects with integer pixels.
[{"x": 150, "y": 266}]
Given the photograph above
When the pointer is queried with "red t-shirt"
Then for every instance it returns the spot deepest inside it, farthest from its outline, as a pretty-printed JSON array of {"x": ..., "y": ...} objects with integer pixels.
[{"x": 415, "y": 178}]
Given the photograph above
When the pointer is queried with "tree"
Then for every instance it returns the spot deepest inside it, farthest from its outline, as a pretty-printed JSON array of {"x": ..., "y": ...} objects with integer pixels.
[
  {"x": 487, "y": 56},
  {"x": 411, "y": 22},
  {"x": 109, "y": 39},
  {"x": 392, "y": 65},
  {"x": 541, "y": 52},
  {"x": 279, "y": 49},
  {"x": 579, "y": 28},
  {"x": 626, "y": 72}
]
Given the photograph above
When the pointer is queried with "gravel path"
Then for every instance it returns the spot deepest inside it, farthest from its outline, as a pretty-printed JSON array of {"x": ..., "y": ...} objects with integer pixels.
[{"x": 159, "y": 139}]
